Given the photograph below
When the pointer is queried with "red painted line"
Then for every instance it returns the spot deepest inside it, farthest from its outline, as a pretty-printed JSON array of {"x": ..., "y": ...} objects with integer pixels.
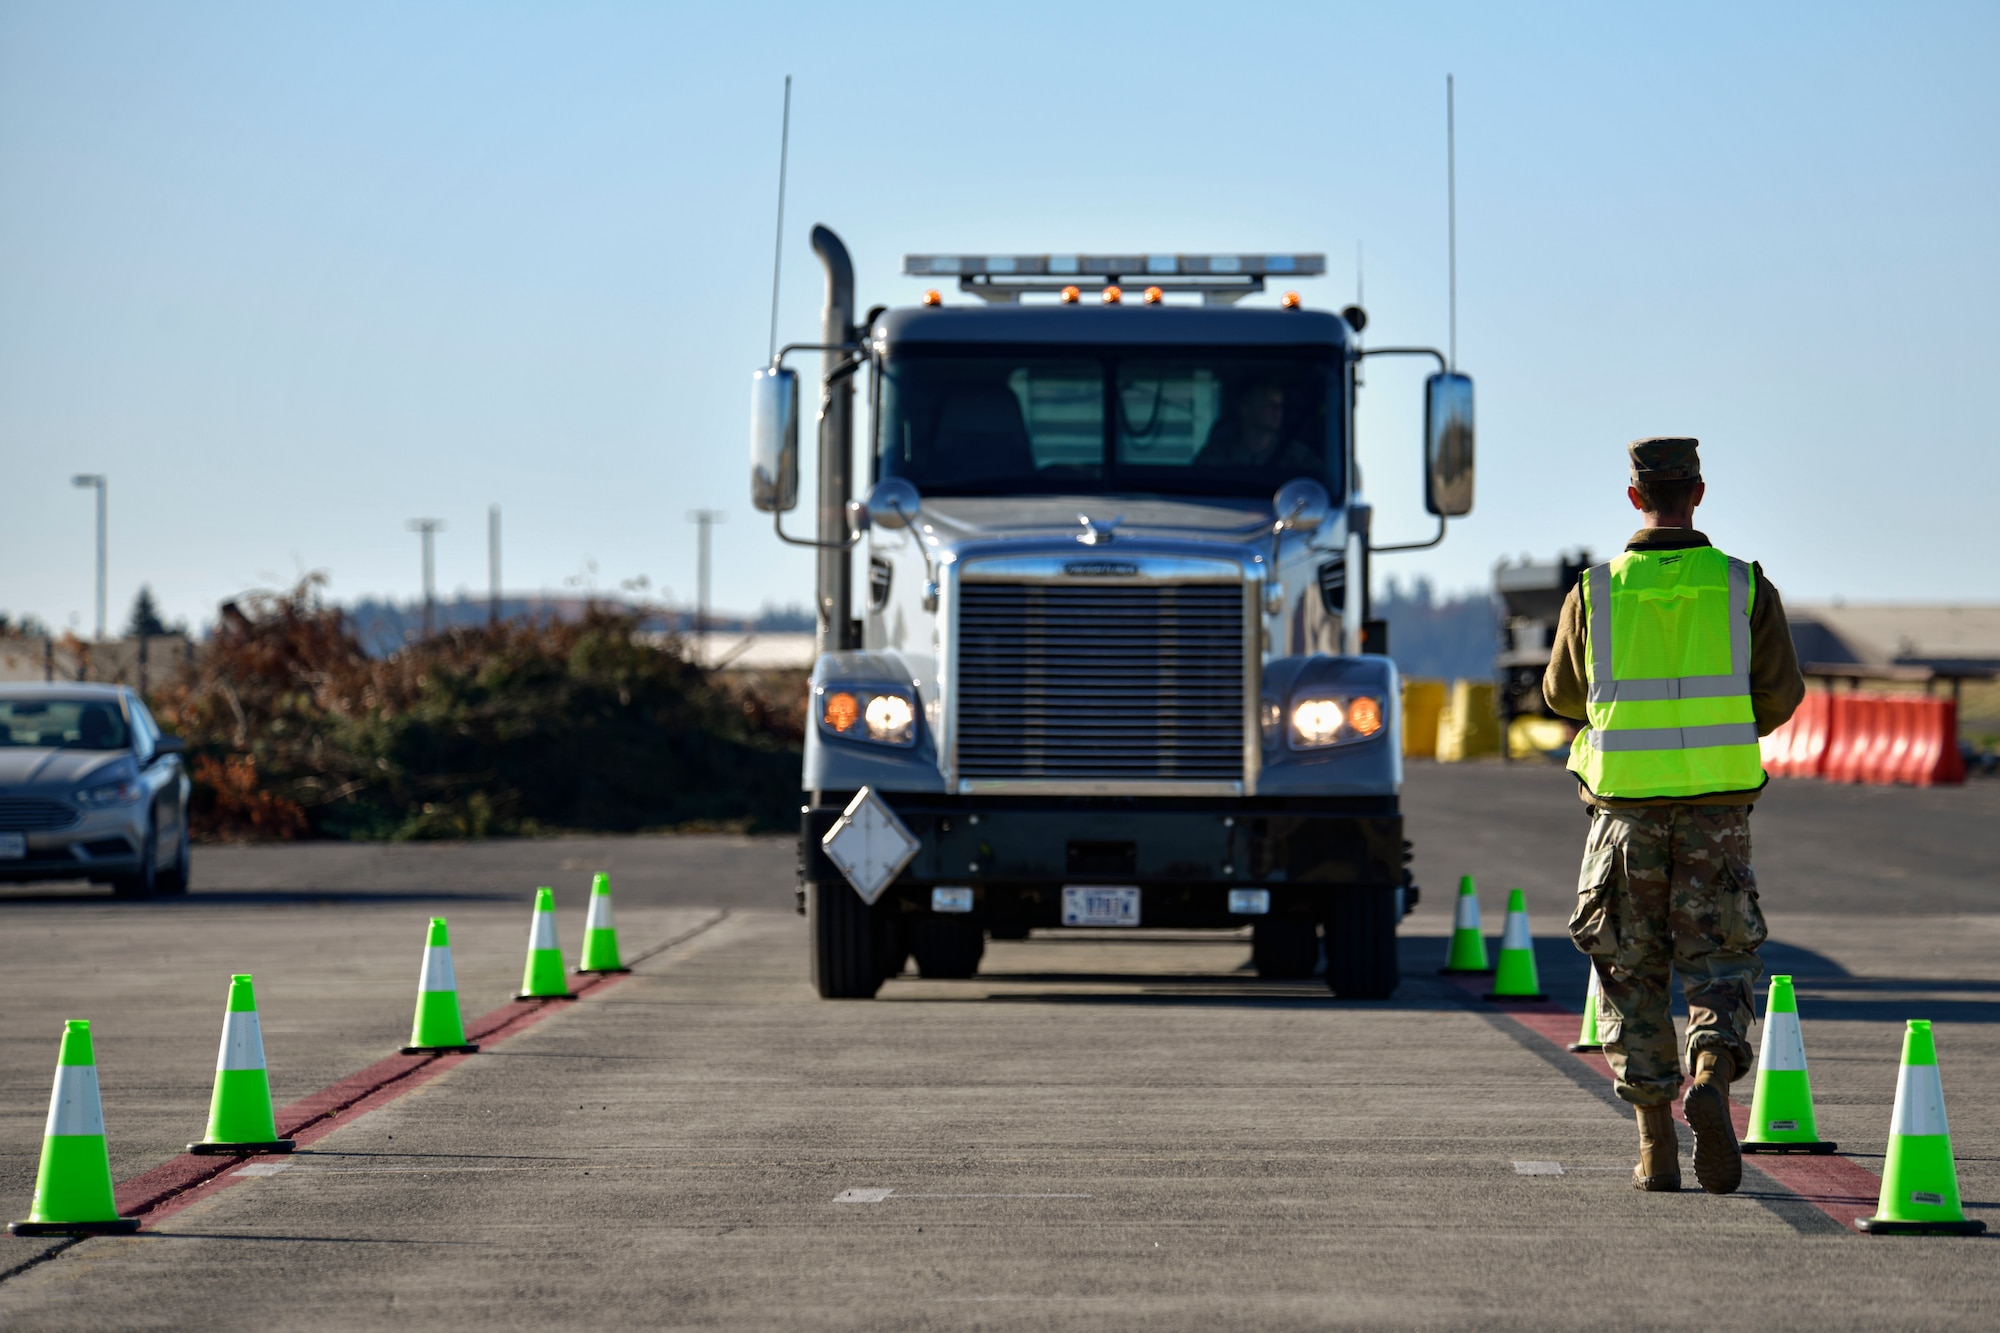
[
  {"x": 185, "y": 1180},
  {"x": 1838, "y": 1187}
]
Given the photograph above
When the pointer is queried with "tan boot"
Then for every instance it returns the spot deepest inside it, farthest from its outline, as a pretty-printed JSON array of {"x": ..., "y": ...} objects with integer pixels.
[
  {"x": 1659, "y": 1168},
  {"x": 1718, "y": 1160}
]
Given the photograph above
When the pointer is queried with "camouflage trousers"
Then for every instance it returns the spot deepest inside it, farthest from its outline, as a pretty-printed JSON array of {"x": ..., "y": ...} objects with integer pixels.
[{"x": 1665, "y": 889}]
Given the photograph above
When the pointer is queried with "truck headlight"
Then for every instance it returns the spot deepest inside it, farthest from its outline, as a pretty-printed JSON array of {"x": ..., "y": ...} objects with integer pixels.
[
  {"x": 884, "y": 715},
  {"x": 123, "y": 792},
  {"x": 1320, "y": 721}
]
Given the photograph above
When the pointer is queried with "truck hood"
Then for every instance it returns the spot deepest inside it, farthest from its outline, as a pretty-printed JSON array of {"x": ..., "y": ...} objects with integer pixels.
[
  {"x": 955, "y": 520},
  {"x": 51, "y": 770}
]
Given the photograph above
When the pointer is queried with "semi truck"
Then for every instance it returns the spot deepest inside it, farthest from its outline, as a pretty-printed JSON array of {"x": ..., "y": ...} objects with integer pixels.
[{"x": 1094, "y": 646}]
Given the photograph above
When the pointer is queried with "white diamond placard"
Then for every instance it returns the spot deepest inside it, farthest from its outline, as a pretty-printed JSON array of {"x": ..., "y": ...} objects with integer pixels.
[{"x": 869, "y": 844}]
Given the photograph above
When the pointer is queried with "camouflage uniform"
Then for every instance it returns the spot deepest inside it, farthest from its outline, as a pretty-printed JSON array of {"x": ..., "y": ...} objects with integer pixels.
[{"x": 1665, "y": 888}]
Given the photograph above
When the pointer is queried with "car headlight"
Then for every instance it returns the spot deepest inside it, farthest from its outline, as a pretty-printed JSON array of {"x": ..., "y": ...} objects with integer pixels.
[
  {"x": 1322, "y": 720},
  {"x": 123, "y": 792},
  {"x": 882, "y": 715}
]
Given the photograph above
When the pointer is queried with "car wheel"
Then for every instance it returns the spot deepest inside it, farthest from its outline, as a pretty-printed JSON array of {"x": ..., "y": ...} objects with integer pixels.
[
  {"x": 147, "y": 882},
  {"x": 176, "y": 878}
]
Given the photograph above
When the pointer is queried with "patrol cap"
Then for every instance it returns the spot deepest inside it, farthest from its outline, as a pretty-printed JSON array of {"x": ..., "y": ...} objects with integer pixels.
[{"x": 1665, "y": 458}]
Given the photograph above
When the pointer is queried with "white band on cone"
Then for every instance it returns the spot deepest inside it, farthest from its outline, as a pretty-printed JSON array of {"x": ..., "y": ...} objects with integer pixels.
[
  {"x": 1468, "y": 913},
  {"x": 1516, "y": 936},
  {"x": 1919, "y": 1102},
  {"x": 242, "y": 1042},
  {"x": 1596, "y": 986},
  {"x": 1783, "y": 1048},
  {"x": 542, "y": 935},
  {"x": 74, "y": 1107},
  {"x": 600, "y": 913},
  {"x": 437, "y": 970}
]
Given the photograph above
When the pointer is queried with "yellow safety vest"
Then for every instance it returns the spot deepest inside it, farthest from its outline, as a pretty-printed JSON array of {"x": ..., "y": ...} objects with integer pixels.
[{"x": 1667, "y": 650}]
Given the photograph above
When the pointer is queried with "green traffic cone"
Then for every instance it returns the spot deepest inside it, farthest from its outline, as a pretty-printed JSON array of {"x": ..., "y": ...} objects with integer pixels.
[
  {"x": 73, "y": 1187},
  {"x": 1781, "y": 1112},
  {"x": 1587, "y": 1036},
  {"x": 1468, "y": 946},
  {"x": 439, "y": 1027},
  {"x": 543, "y": 979},
  {"x": 1920, "y": 1179},
  {"x": 239, "y": 1113},
  {"x": 600, "y": 931},
  {"x": 1516, "y": 978}
]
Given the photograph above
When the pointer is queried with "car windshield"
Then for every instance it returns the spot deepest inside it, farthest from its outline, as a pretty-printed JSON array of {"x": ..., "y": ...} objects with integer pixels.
[
  {"x": 76, "y": 724},
  {"x": 995, "y": 421}
]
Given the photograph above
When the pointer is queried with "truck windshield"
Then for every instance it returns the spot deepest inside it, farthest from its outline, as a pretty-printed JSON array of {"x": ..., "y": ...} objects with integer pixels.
[{"x": 1002, "y": 421}]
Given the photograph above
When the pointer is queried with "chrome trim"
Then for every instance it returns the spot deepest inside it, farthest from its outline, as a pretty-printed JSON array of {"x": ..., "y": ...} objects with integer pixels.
[
  {"x": 1068, "y": 787},
  {"x": 1147, "y": 569}
]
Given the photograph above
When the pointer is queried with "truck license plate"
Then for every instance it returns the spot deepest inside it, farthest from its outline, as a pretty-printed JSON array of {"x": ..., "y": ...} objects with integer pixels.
[
  {"x": 13, "y": 846},
  {"x": 1098, "y": 905}
]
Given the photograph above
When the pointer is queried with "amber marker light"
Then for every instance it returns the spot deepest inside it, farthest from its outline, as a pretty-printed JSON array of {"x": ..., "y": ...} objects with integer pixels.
[
  {"x": 1154, "y": 296},
  {"x": 1113, "y": 295},
  {"x": 1071, "y": 295},
  {"x": 1290, "y": 300},
  {"x": 842, "y": 711},
  {"x": 933, "y": 297},
  {"x": 1365, "y": 716}
]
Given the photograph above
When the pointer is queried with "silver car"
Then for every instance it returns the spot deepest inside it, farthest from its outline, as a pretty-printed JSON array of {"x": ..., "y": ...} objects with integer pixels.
[{"x": 90, "y": 789}]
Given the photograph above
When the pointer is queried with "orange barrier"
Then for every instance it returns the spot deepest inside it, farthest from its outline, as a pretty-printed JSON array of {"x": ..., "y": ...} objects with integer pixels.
[{"x": 1869, "y": 738}]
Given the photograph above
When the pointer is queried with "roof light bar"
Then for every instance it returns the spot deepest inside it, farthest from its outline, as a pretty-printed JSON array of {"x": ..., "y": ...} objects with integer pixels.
[{"x": 1217, "y": 279}]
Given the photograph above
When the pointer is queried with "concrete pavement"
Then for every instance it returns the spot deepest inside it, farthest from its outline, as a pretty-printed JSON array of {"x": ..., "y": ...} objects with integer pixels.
[{"x": 1096, "y": 1132}]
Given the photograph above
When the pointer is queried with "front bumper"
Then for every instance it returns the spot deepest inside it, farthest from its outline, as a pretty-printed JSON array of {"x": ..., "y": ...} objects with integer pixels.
[
  {"x": 1184, "y": 854},
  {"x": 100, "y": 847}
]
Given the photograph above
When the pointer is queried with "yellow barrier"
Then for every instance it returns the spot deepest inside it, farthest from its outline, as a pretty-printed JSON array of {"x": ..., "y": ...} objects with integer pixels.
[
  {"x": 1534, "y": 737},
  {"x": 1423, "y": 700},
  {"x": 1467, "y": 727}
]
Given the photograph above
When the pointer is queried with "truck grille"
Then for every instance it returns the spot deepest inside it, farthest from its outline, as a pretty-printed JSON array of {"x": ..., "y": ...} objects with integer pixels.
[
  {"x": 1100, "y": 682},
  {"x": 27, "y": 814}
]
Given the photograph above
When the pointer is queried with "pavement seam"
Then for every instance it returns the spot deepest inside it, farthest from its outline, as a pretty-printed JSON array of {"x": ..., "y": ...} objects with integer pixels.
[{"x": 184, "y": 1180}]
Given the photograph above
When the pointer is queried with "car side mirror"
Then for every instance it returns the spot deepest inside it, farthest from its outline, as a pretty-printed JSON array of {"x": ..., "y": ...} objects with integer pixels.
[
  {"x": 774, "y": 440},
  {"x": 169, "y": 745},
  {"x": 1448, "y": 444}
]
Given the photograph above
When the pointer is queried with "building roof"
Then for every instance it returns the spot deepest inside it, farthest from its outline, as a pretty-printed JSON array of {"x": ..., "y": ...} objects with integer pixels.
[{"x": 1880, "y": 635}]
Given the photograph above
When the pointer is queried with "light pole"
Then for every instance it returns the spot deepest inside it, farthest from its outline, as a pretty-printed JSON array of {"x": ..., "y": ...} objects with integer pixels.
[
  {"x": 493, "y": 564},
  {"x": 96, "y": 480},
  {"x": 428, "y": 528},
  {"x": 703, "y": 519}
]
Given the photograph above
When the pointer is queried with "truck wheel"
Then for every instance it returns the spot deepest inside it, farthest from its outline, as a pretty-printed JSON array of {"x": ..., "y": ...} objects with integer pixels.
[
  {"x": 1006, "y": 916},
  {"x": 1284, "y": 948},
  {"x": 948, "y": 946},
  {"x": 1361, "y": 961},
  {"x": 848, "y": 942}
]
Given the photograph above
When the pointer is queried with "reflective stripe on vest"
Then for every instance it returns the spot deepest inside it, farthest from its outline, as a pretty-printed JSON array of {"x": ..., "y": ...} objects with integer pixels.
[{"x": 1656, "y": 734}]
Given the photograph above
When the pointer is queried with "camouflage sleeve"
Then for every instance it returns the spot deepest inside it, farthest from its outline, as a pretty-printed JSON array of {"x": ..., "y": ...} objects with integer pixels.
[
  {"x": 1776, "y": 687},
  {"x": 1563, "y": 684}
]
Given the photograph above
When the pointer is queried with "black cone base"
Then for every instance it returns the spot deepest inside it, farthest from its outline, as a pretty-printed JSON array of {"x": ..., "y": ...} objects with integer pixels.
[
  {"x": 601, "y": 971},
  {"x": 241, "y": 1149},
  {"x": 1816, "y": 1148},
  {"x": 1876, "y": 1226},
  {"x": 1580, "y": 1047},
  {"x": 1496, "y": 995},
  {"x": 116, "y": 1226},
  {"x": 566, "y": 995},
  {"x": 438, "y": 1050},
  {"x": 1465, "y": 971}
]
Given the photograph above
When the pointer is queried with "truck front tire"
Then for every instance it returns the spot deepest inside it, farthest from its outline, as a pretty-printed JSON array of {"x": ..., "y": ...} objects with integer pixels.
[
  {"x": 1361, "y": 962},
  {"x": 851, "y": 942}
]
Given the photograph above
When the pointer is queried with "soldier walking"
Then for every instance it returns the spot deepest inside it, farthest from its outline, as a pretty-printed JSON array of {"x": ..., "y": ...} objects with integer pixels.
[{"x": 1676, "y": 657}]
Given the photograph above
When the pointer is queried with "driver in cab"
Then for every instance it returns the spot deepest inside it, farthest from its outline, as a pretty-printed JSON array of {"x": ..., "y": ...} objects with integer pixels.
[{"x": 1254, "y": 435}]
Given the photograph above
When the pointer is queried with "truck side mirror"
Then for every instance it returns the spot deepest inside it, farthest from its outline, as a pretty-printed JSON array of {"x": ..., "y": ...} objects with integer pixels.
[
  {"x": 892, "y": 503},
  {"x": 1448, "y": 444},
  {"x": 774, "y": 440}
]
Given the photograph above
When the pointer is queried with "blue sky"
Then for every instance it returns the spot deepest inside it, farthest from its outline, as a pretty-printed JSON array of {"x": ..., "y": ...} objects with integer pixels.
[{"x": 291, "y": 275}]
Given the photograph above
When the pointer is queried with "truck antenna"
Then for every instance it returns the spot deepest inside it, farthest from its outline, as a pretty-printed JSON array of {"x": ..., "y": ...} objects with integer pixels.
[
  {"x": 1451, "y": 212},
  {"x": 778, "y": 258}
]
